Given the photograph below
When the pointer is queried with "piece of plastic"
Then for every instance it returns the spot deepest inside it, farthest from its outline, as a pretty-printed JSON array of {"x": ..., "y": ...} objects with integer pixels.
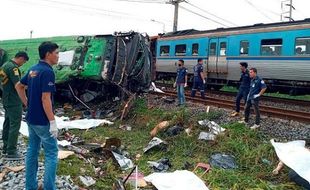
[
  {"x": 155, "y": 143},
  {"x": 206, "y": 136},
  {"x": 178, "y": 180},
  {"x": 223, "y": 161},
  {"x": 295, "y": 155}
]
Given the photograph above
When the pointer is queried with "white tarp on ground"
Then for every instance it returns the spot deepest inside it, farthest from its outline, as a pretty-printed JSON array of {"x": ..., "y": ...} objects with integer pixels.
[
  {"x": 294, "y": 155},
  {"x": 64, "y": 123},
  {"x": 178, "y": 180}
]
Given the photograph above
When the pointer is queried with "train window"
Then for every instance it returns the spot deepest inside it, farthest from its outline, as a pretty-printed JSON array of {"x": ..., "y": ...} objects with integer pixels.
[
  {"x": 180, "y": 49},
  {"x": 164, "y": 50},
  {"x": 302, "y": 46},
  {"x": 223, "y": 49},
  {"x": 195, "y": 48},
  {"x": 244, "y": 48},
  {"x": 271, "y": 47},
  {"x": 212, "y": 49}
]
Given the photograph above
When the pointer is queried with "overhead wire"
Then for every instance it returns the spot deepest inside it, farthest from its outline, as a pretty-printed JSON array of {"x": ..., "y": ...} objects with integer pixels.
[
  {"x": 144, "y": 1},
  {"x": 220, "y": 23},
  {"x": 227, "y": 21},
  {"x": 85, "y": 9},
  {"x": 258, "y": 10}
]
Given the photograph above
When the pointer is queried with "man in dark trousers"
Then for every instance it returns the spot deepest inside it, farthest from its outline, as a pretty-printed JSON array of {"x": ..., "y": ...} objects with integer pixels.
[
  {"x": 42, "y": 127},
  {"x": 12, "y": 105},
  {"x": 181, "y": 82},
  {"x": 244, "y": 88},
  {"x": 199, "y": 79},
  {"x": 257, "y": 88}
]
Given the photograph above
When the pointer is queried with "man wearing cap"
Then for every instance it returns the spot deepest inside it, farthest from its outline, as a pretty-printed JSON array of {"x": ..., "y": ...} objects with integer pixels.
[{"x": 12, "y": 104}]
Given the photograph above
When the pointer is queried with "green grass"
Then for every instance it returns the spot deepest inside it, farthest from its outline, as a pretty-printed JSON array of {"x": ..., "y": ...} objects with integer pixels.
[
  {"x": 274, "y": 94},
  {"x": 248, "y": 147}
]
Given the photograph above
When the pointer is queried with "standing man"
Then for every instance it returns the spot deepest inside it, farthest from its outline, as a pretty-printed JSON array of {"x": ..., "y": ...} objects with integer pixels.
[
  {"x": 42, "y": 128},
  {"x": 12, "y": 105},
  {"x": 181, "y": 82},
  {"x": 244, "y": 88},
  {"x": 257, "y": 88},
  {"x": 199, "y": 79}
]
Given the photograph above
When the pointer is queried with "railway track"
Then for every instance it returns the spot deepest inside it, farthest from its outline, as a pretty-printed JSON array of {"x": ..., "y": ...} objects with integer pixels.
[
  {"x": 265, "y": 110},
  {"x": 264, "y": 98}
]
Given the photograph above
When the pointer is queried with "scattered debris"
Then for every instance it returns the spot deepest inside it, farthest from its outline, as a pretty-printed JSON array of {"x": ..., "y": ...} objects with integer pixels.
[
  {"x": 161, "y": 165},
  {"x": 128, "y": 106},
  {"x": 120, "y": 184},
  {"x": 62, "y": 154},
  {"x": 138, "y": 156},
  {"x": 206, "y": 136},
  {"x": 3, "y": 173},
  {"x": 87, "y": 180},
  {"x": 139, "y": 177},
  {"x": 7, "y": 169},
  {"x": 265, "y": 161},
  {"x": 204, "y": 166},
  {"x": 125, "y": 127},
  {"x": 77, "y": 150},
  {"x": 123, "y": 162},
  {"x": 178, "y": 180},
  {"x": 112, "y": 143},
  {"x": 175, "y": 130},
  {"x": 213, "y": 127},
  {"x": 155, "y": 143},
  {"x": 223, "y": 161},
  {"x": 158, "y": 127},
  {"x": 88, "y": 96},
  {"x": 188, "y": 131},
  {"x": 154, "y": 88}
]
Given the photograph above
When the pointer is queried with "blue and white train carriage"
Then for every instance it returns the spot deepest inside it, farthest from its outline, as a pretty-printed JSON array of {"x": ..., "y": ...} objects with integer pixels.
[{"x": 280, "y": 52}]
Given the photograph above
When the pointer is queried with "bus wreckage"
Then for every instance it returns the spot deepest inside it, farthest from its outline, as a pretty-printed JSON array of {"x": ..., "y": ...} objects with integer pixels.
[{"x": 89, "y": 67}]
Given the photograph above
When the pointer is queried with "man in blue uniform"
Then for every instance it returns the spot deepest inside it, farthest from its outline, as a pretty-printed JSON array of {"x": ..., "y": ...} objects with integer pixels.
[
  {"x": 244, "y": 88},
  {"x": 12, "y": 105},
  {"x": 181, "y": 82},
  {"x": 257, "y": 88},
  {"x": 42, "y": 127},
  {"x": 199, "y": 79}
]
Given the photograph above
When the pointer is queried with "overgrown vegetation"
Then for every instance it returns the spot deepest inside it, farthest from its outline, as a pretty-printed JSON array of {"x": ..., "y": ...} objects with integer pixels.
[
  {"x": 250, "y": 149},
  {"x": 274, "y": 94}
]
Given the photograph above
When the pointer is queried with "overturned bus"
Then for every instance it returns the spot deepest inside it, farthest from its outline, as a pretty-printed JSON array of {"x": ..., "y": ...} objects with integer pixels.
[{"x": 94, "y": 65}]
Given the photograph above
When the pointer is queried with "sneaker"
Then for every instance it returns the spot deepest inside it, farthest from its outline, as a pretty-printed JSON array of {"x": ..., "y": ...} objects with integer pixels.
[
  {"x": 13, "y": 157},
  {"x": 255, "y": 126},
  {"x": 234, "y": 114},
  {"x": 242, "y": 121}
]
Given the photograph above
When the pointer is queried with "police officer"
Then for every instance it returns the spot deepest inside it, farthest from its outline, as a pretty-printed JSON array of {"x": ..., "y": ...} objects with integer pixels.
[
  {"x": 257, "y": 88},
  {"x": 12, "y": 104},
  {"x": 244, "y": 88},
  {"x": 181, "y": 82},
  {"x": 199, "y": 79}
]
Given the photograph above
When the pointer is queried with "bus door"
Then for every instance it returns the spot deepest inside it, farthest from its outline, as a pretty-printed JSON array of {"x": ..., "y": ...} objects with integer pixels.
[{"x": 217, "y": 55}]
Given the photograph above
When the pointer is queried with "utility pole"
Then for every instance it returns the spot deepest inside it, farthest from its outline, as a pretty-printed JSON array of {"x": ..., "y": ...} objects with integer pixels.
[
  {"x": 176, "y": 12},
  {"x": 291, "y": 8},
  {"x": 284, "y": 4}
]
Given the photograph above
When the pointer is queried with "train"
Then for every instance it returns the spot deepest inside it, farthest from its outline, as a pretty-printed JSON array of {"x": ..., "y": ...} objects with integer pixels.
[
  {"x": 279, "y": 51},
  {"x": 91, "y": 66}
]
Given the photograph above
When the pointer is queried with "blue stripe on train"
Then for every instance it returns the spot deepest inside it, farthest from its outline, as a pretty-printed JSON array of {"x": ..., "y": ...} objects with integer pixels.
[{"x": 239, "y": 58}]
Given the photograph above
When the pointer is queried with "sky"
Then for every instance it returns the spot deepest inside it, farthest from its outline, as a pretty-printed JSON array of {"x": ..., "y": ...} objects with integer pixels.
[{"x": 47, "y": 18}]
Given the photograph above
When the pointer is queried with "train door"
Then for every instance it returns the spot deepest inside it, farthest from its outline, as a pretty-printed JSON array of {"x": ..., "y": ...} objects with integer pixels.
[{"x": 217, "y": 55}]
